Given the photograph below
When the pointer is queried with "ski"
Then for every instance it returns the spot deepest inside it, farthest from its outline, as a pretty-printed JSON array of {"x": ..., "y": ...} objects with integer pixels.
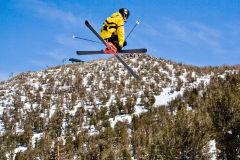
[
  {"x": 128, "y": 68},
  {"x": 95, "y": 32},
  {"x": 109, "y": 51},
  {"x": 89, "y": 52},
  {"x": 143, "y": 50}
]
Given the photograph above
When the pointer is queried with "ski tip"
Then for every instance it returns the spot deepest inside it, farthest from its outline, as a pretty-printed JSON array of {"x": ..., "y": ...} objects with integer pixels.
[
  {"x": 144, "y": 50},
  {"x": 137, "y": 77},
  {"x": 73, "y": 36},
  {"x": 86, "y": 22}
]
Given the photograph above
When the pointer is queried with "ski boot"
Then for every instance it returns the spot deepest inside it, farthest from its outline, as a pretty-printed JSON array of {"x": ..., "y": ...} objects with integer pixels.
[{"x": 112, "y": 48}]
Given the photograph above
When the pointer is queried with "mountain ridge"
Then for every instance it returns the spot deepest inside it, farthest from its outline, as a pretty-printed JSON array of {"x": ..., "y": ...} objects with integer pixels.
[{"x": 83, "y": 101}]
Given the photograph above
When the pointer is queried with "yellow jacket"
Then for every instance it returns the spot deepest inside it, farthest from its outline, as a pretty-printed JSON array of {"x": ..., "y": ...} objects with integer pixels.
[{"x": 114, "y": 24}]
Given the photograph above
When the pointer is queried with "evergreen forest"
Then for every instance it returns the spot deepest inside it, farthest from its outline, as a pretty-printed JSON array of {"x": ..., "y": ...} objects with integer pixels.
[{"x": 96, "y": 110}]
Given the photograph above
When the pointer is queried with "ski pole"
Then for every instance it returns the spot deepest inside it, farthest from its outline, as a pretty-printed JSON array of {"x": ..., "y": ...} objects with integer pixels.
[
  {"x": 132, "y": 29},
  {"x": 86, "y": 39}
]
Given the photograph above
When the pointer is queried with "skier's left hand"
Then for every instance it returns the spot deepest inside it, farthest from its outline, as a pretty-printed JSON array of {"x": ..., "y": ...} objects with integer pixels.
[{"x": 125, "y": 43}]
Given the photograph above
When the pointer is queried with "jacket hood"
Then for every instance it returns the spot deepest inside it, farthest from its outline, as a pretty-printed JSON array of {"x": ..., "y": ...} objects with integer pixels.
[{"x": 117, "y": 14}]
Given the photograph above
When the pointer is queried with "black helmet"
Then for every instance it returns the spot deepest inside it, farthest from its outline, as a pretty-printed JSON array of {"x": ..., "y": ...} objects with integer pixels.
[{"x": 124, "y": 12}]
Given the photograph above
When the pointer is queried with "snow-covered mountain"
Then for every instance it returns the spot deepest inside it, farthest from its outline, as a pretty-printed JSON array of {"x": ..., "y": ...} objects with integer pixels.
[{"x": 98, "y": 110}]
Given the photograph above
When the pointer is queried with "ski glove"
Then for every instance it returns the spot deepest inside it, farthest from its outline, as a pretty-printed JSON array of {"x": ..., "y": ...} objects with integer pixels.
[
  {"x": 125, "y": 43},
  {"x": 120, "y": 48}
]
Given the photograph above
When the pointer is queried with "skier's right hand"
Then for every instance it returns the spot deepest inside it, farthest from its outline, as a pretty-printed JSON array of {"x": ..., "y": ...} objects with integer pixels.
[{"x": 119, "y": 48}]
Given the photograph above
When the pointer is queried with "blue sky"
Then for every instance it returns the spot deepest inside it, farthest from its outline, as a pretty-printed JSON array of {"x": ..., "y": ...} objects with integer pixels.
[{"x": 38, "y": 33}]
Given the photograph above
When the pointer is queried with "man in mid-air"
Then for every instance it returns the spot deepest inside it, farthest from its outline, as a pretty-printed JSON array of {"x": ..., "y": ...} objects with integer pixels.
[{"x": 113, "y": 28}]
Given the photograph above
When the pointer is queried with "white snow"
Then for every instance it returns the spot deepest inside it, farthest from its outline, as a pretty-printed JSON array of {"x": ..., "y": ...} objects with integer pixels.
[
  {"x": 162, "y": 99},
  {"x": 212, "y": 145},
  {"x": 167, "y": 96}
]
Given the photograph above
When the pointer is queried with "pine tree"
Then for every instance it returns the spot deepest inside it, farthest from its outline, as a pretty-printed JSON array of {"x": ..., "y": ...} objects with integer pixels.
[
  {"x": 147, "y": 99},
  {"x": 120, "y": 105},
  {"x": 223, "y": 104},
  {"x": 130, "y": 105},
  {"x": 113, "y": 110}
]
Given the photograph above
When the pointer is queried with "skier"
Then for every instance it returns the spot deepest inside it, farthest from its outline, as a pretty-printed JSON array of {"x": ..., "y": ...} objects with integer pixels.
[{"x": 113, "y": 28}]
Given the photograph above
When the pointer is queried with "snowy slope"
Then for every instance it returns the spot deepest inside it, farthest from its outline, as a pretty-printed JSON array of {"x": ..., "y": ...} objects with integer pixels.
[{"x": 104, "y": 68}]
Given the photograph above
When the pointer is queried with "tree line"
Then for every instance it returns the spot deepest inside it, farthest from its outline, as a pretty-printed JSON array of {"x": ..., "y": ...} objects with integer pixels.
[{"x": 181, "y": 129}]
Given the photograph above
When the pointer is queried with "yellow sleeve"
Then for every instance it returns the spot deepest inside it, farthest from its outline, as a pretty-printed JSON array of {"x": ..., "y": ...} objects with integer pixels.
[{"x": 120, "y": 32}]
